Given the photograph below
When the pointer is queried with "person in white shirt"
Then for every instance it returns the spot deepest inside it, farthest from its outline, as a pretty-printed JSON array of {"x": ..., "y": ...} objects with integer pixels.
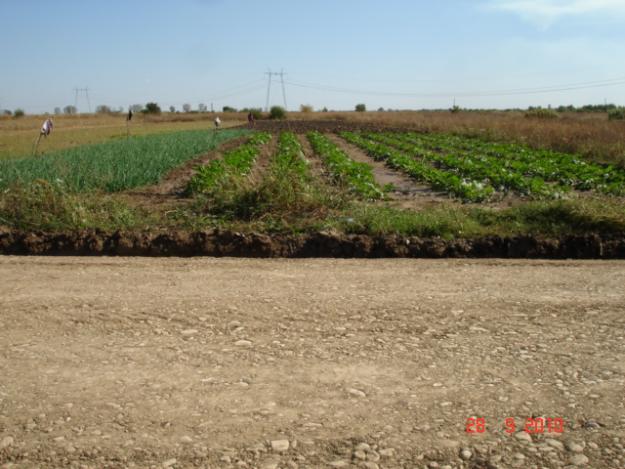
[
  {"x": 217, "y": 122},
  {"x": 46, "y": 128}
]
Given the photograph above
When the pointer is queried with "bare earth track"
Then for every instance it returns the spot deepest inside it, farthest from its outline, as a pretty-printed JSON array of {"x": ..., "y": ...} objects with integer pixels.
[{"x": 119, "y": 362}]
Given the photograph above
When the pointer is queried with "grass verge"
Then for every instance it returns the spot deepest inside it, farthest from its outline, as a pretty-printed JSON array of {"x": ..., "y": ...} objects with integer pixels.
[{"x": 48, "y": 206}]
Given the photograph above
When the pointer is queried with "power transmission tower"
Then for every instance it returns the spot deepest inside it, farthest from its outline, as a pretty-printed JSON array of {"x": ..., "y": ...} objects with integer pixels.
[
  {"x": 276, "y": 74},
  {"x": 79, "y": 91}
]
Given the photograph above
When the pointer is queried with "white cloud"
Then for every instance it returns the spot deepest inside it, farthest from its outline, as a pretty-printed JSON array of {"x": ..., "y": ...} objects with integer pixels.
[{"x": 546, "y": 12}]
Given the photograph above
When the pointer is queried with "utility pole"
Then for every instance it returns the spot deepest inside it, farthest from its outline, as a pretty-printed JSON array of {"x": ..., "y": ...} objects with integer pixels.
[
  {"x": 271, "y": 74},
  {"x": 283, "y": 90}
]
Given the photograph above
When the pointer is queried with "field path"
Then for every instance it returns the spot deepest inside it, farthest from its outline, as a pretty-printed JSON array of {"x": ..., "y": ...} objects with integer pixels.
[
  {"x": 134, "y": 362},
  {"x": 407, "y": 190}
]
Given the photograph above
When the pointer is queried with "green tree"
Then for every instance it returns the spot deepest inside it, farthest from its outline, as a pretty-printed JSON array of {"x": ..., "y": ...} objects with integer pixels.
[
  {"x": 152, "y": 108},
  {"x": 277, "y": 112},
  {"x": 361, "y": 107}
]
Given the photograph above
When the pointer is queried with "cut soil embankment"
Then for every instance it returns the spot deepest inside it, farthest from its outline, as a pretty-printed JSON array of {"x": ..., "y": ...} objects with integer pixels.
[{"x": 324, "y": 244}]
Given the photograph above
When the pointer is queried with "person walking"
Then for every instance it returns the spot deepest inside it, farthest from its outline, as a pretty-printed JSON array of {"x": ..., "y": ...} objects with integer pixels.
[
  {"x": 250, "y": 120},
  {"x": 217, "y": 122}
]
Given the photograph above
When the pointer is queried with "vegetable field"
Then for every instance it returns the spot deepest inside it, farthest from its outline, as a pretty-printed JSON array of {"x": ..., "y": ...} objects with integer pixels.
[
  {"x": 357, "y": 181},
  {"x": 474, "y": 171}
]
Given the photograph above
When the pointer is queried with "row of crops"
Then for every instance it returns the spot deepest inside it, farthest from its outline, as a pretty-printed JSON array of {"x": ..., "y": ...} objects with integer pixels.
[
  {"x": 113, "y": 166},
  {"x": 469, "y": 169},
  {"x": 474, "y": 170},
  {"x": 289, "y": 163}
]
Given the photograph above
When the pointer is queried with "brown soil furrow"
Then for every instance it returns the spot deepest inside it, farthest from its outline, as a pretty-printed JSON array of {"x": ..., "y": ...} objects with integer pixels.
[
  {"x": 263, "y": 160},
  {"x": 168, "y": 194},
  {"x": 317, "y": 168},
  {"x": 176, "y": 181},
  {"x": 407, "y": 192}
]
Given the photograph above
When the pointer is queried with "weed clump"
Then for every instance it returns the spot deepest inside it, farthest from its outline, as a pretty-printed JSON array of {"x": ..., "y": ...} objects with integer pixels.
[
  {"x": 541, "y": 113},
  {"x": 617, "y": 114}
]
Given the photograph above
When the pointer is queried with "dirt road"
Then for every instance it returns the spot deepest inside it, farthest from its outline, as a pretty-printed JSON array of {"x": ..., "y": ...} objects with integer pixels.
[{"x": 119, "y": 362}]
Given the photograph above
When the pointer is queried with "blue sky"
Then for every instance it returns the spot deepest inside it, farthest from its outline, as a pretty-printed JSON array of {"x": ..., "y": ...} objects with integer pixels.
[{"x": 400, "y": 54}]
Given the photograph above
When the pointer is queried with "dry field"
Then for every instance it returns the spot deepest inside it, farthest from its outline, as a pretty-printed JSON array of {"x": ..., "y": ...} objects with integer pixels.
[
  {"x": 18, "y": 135},
  {"x": 164, "y": 363}
]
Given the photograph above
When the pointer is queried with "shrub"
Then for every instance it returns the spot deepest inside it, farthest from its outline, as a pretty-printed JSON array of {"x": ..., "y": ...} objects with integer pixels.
[
  {"x": 18, "y": 113},
  {"x": 617, "y": 114},
  {"x": 229, "y": 109},
  {"x": 277, "y": 112},
  {"x": 455, "y": 109},
  {"x": 541, "y": 113},
  {"x": 103, "y": 109},
  {"x": 361, "y": 108},
  {"x": 305, "y": 108},
  {"x": 152, "y": 108}
]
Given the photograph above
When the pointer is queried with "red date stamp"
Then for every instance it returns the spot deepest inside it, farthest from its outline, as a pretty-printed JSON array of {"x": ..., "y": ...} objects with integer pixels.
[{"x": 532, "y": 426}]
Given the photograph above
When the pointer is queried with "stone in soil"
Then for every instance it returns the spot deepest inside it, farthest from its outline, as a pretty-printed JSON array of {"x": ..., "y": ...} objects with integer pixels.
[
  {"x": 280, "y": 446},
  {"x": 6, "y": 442},
  {"x": 579, "y": 460},
  {"x": 523, "y": 436},
  {"x": 356, "y": 392},
  {"x": 574, "y": 447}
]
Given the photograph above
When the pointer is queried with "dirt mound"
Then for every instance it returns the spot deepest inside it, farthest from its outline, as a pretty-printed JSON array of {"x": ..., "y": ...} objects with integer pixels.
[
  {"x": 333, "y": 126},
  {"x": 324, "y": 244}
]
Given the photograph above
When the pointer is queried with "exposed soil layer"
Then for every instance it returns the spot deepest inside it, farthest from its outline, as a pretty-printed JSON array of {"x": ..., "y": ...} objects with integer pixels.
[
  {"x": 118, "y": 363},
  {"x": 324, "y": 244},
  {"x": 332, "y": 126}
]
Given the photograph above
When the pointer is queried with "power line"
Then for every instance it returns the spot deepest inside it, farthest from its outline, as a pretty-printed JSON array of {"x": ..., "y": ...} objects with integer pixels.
[{"x": 511, "y": 92}]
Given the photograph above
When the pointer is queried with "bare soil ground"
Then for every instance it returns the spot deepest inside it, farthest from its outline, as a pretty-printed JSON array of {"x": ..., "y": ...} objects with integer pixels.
[{"x": 118, "y": 362}]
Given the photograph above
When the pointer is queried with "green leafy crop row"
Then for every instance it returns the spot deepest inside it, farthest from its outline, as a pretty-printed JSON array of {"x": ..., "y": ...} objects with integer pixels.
[
  {"x": 564, "y": 171},
  {"x": 474, "y": 167},
  {"x": 469, "y": 190},
  {"x": 233, "y": 165},
  {"x": 358, "y": 176}
]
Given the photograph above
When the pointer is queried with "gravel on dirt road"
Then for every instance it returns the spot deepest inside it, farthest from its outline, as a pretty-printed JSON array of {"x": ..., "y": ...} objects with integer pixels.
[{"x": 175, "y": 363}]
